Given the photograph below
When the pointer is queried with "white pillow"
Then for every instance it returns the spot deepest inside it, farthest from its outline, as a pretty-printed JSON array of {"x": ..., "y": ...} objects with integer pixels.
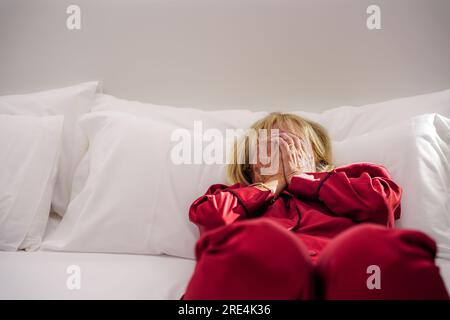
[
  {"x": 29, "y": 151},
  {"x": 417, "y": 154},
  {"x": 345, "y": 122},
  {"x": 180, "y": 117},
  {"x": 341, "y": 123},
  {"x": 135, "y": 199},
  {"x": 71, "y": 102}
]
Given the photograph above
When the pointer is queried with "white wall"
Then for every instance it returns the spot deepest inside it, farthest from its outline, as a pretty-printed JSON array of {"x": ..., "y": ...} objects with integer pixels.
[{"x": 217, "y": 53}]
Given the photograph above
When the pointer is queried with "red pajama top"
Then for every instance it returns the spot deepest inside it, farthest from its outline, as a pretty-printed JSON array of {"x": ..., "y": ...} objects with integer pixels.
[{"x": 316, "y": 206}]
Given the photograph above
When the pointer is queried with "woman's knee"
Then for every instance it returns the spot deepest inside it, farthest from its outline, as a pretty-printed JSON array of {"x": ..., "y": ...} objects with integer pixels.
[
  {"x": 251, "y": 259},
  {"x": 374, "y": 262}
]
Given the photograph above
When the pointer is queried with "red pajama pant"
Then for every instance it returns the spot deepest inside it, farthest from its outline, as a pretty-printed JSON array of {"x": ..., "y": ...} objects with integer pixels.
[{"x": 258, "y": 259}]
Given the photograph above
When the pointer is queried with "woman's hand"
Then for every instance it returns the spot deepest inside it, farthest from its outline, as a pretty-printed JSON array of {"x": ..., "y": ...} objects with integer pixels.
[{"x": 296, "y": 154}]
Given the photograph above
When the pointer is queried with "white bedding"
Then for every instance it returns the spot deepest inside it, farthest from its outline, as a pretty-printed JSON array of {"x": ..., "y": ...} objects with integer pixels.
[{"x": 43, "y": 275}]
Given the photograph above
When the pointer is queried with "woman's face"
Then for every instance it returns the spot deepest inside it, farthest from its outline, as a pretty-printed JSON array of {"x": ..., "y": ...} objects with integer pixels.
[{"x": 265, "y": 162}]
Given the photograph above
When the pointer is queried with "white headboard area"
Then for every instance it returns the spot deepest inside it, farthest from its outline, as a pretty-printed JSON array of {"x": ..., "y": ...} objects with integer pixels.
[{"x": 277, "y": 54}]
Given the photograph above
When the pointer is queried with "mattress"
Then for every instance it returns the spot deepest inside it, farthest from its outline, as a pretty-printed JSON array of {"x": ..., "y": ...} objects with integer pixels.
[{"x": 44, "y": 275}]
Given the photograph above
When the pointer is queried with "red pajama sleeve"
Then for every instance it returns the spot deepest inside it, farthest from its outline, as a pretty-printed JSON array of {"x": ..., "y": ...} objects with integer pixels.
[
  {"x": 222, "y": 205},
  {"x": 362, "y": 192}
]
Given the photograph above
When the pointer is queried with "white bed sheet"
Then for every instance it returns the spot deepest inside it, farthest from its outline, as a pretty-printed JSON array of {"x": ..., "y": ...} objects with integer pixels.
[{"x": 43, "y": 275}]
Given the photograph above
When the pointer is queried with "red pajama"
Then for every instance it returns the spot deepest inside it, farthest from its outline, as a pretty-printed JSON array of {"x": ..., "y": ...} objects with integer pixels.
[{"x": 328, "y": 236}]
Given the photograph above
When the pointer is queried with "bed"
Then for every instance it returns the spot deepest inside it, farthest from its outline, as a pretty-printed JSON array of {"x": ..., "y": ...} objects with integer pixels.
[
  {"x": 44, "y": 274},
  {"x": 267, "y": 59}
]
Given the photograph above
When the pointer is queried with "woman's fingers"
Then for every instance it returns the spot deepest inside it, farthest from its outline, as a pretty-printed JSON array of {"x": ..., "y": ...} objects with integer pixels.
[
  {"x": 295, "y": 141},
  {"x": 290, "y": 165},
  {"x": 287, "y": 138},
  {"x": 294, "y": 146},
  {"x": 284, "y": 147},
  {"x": 296, "y": 153},
  {"x": 288, "y": 157},
  {"x": 291, "y": 151},
  {"x": 299, "y": 150},
  {"x": 304, "y": 154}
]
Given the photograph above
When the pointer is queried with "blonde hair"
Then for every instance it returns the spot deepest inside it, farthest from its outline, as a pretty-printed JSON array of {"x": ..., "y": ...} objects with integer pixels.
[{"x": 317, "y": 135}]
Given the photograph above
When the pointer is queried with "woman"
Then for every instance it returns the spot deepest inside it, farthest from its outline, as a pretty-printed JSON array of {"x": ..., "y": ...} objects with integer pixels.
[{"x": 308, "y": 230}]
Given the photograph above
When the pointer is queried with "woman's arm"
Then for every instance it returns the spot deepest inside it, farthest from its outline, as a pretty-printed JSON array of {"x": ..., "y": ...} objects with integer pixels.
[
  {"x": 361, "y": 192},
  {"x": 222, "y": 205}
]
